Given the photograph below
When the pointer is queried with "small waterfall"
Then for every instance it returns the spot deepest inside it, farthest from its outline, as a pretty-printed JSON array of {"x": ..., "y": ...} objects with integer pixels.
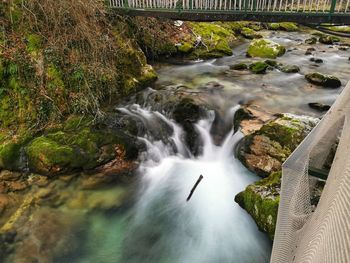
[{"x": 211, "y": 227}]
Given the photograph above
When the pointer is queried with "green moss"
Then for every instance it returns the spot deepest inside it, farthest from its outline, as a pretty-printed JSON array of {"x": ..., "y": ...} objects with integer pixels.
[
  {"x": 274, "y": 26},
  {"x": 258, "y": 67},
  {"x": 345, "y": 29},
  {"x": 249, "y": 33},
  {"x": 217, "y": 40},
  {"x": 329, "y": 40},
  {"x": 286, "y": 26},
  {"x": 185, "y": 48},
  {"x": 286, "y": 133},
  {"x": 34, "y": 43},
  {"x": 54, "y": 77},
  {"x": 265, "y": 48},
  {"x": 261, "y": 201},
  {"x": 46, "y": 156}
]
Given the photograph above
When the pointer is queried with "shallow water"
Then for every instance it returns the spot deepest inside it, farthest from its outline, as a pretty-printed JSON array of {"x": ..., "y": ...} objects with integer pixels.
[
  {"x": 160, "y": 226},
  {"x": 149, "y": 220},
  {"x": 276, "y": 91}
]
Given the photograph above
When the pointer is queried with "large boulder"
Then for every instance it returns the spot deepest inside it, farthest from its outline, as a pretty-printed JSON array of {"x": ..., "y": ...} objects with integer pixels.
[
  {"x": 261, "y": 200},
  {"x": 187, "y": 112},
  {"x": 326, "y": 81},
  {"x": 265, "y": 48},
  {"x": 264, "y": 151},
  {"x": 81, "y": 148}
]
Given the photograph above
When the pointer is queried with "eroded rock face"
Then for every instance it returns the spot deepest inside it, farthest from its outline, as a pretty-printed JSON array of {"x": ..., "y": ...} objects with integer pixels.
[
  {"x": 265, "y": 48},
  {"x": 264, "y": 150},
  {"x": 187, "y": 112}
]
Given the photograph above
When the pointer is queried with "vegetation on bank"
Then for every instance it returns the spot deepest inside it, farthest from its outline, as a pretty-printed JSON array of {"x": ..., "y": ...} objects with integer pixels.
[{"x": 62, "y": 57}]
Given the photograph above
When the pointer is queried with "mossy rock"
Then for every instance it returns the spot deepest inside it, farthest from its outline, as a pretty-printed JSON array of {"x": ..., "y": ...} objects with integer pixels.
[
  {"x": 329, "y": 40},
  {"x": 285, "y": 26},
  {"x": 83, "y": 149},
  {"x": 258, "y": 67},
  {"x": 326, "y": 81},
  {"x": 249, "y": 33},
  {"x": 216, "y": 40},
  {"x": 271, "y": 63},
  {"x": 311, "y": 41},
  {"x": 265, "y": 48},
  {"x": 289, "y": 69},
  {"x": 239, "y": 66},
  {"x": 261, "y": 201},
  {"x": 266, "y": 149}
]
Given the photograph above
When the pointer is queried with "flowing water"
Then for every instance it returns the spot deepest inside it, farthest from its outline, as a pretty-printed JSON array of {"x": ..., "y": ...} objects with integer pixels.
[
  {"x": 162, "y": 226},
  {"x": 156, "y": 224}
]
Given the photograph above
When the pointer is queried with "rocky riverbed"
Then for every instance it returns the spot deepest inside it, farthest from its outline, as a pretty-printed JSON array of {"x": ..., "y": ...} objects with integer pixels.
[{"x": 73, "y": 183}]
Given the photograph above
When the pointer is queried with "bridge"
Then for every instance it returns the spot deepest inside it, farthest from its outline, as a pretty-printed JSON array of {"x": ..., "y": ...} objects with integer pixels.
[{"x": 300, "y": 11}]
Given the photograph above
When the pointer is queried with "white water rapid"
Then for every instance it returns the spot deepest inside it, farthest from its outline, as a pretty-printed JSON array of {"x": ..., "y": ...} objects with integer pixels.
[{"x": 211, "y": 227}]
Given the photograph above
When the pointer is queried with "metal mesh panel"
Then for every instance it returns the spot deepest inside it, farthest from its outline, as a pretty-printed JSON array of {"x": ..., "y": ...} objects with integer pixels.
[{"x": 323, "y": 235}]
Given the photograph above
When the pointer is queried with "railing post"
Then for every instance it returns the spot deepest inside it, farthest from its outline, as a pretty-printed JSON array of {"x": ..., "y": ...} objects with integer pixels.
[
  {"x": 254, "y": 5},
  {"x": 126, "y": 3},
  {"x": 334, "y": 2},
  {"x": 246, "y": 5}
]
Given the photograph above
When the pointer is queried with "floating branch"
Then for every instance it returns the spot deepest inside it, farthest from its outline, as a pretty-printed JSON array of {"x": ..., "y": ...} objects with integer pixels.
[{"x": 194, "y": 188}]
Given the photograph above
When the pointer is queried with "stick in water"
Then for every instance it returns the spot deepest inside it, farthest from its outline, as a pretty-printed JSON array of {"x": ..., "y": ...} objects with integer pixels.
[{"x": 194, "y": 188}]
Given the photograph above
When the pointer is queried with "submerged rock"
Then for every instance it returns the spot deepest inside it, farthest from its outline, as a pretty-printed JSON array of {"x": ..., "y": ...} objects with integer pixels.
[
  {"x": 258, "y": 67},
  {"x": 316, "y": 60},
  {"x": 264, "y": 151},
  {"x": 289, "y": 69},
  {"x": 329, "y": 40},
  {"x": 319, "y": 106},
  {"x": 265, "y": 48},
  {"x": 311, "y": 41},
  {"x": 326, "y": 81},
  {"x": 239, "y": 66},
  {"x": 309, "y": 51},
  {"x": 261, "y": 201}
]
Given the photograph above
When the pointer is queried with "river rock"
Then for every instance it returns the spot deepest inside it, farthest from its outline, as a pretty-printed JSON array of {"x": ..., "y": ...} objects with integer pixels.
[
  {"x": 329, "y": 40},
  {"x": 83, "y": 149},
  {"x": 289, "y": 69},
  {"x": 311, "y": 41},
  {"x": 258, "y": 67},
  {"x": 264, "y": 151},
  {"x": 326, "y": 81},
  {"x": 187, "y": 112},
  {"x": 265, "y": 48},
  {"x": 250, "y": 118},
  {"x": 309, "y": 51},
  {"x": 261, "y": 201},
  {"x": 249, "y": 33},
  {"x": 239, "y": 66},
  {"x": 316, "y": 60},
  {"x": 285, "y": 26},
  {"x": 319, "y": 106}
]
